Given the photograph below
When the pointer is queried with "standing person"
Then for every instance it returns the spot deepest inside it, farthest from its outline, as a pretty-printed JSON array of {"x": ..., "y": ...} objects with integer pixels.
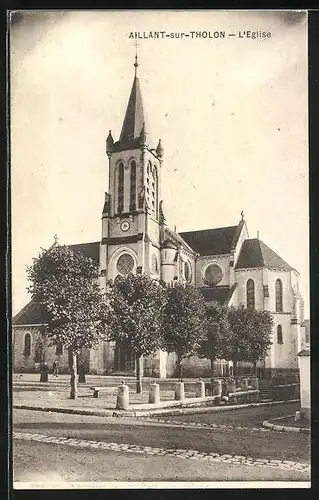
[
  {"x": 44, "y": 372},
  {"x": 56, "y": 368}
]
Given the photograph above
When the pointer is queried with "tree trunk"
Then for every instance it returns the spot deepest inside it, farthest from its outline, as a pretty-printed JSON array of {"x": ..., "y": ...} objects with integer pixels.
[
  {"x": 211, "y": 375},
  {"x": 72, "y": 366},
  {"x": 255, "y": 368},
  {"x": 235, "y": 368},
  {"x": 139, "y": 375},
  {"x": 212, "y": 367},
  {"x": 179, "y": 366}
]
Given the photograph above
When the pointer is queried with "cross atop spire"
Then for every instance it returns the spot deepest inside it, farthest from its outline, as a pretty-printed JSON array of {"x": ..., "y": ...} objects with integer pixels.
[{"x": 136, "y": 44}]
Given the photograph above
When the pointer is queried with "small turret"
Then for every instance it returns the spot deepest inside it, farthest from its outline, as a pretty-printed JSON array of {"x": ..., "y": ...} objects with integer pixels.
[
  {"x": 109, "y": 143},
  {"x": 143, "y": 135},
  {"x": 168, "y": 254},
  {"x": 160, "y": 149}
]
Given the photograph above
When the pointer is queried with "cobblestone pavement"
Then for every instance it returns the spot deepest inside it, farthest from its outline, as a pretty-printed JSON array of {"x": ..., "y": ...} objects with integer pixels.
[{"x": 180, "y": 453}]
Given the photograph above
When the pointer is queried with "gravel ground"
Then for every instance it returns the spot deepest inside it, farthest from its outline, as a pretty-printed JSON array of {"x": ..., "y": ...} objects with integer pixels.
[{"x": 38, "y": 462}]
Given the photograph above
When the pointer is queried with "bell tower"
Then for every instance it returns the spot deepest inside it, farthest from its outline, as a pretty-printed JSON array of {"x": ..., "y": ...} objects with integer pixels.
[{"x": 130, "y": 218}]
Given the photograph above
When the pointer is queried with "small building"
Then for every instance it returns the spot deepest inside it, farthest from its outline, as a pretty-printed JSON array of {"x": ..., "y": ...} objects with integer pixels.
[{"x": 305, "y": 392}]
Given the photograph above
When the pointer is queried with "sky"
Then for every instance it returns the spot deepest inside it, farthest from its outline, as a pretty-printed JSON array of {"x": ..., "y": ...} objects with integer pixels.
[{"x": 232, "y": 114}]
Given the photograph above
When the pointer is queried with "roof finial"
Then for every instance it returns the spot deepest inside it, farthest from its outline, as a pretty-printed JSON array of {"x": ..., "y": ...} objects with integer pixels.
[
  {"x": 242, "y": 215},
  {"x": 258, "y": 234},
  {"x": 136, "y": 63},
  {"x": 55, "y": 239}
]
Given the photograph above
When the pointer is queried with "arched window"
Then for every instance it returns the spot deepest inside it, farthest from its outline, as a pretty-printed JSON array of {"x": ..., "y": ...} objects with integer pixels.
[
  {"x": 278, "y": 296},
  {"x": 279, "y": 335},
  {"x": 59, "y": 349},
  {"x": 155, "y": 184},
  {"x": 187, "y": 271},
  {"x": 120, "y": 188},
  {"x": 27, "y": 345},
  {"x": 250, "y": 294},
  {"x": 133, "y": 186},
  {"x": 125, "y": 264},
  {"x": 154, "y": 264}
]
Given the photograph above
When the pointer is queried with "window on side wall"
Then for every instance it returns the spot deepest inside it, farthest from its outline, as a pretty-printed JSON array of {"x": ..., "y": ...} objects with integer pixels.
[{"x": 279, "y": 335}]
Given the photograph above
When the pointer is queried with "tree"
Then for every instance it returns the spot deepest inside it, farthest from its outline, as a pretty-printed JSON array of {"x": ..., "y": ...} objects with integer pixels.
[
  {"x": 135, "y": 305},
  {"x": 248, "y": 338},
  {"x": 217, "y": 327},
  {"x": 184, "y": 321},
  {"x": 65, "y": 284},
  {"x": 261, "y": 325}
]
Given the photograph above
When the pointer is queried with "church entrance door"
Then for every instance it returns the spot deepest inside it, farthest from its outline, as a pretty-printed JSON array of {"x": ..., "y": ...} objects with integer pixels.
[{"x": 124, "y": 359}]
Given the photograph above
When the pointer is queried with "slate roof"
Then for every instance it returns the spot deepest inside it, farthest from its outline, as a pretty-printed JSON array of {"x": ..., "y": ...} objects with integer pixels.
[
  {"x": 91, "y": 250},
  {"x": 212, "y": 241},
  {"x": 255, "y": 253},
  {"x": 221, "y": 294},
  {"x": 134, "y": 116},
  {"x": 30, "y": 314}
]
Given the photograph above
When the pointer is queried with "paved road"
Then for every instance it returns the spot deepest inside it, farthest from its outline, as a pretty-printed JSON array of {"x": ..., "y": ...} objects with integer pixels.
[{"x": 70, "y": 463}]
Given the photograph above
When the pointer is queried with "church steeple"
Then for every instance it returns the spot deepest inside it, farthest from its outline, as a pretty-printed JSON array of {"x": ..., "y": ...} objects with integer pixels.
[{"x": 134, "y": 117}]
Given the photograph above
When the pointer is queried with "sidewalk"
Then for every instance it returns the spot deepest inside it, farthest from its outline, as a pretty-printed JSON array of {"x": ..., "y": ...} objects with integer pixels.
[{"x": 56, "y": 399}]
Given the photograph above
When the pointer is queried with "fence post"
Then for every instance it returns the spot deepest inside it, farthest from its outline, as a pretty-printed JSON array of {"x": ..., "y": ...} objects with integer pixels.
[
  {"x": 123, "y": 400},
  {"x": 200, "y": 389},
  {"x": 217, "y": 389},
  {"x": 154, "y": 396},
  {"x": 231, "y": 385},
  {"x": 179, "y": 391}
]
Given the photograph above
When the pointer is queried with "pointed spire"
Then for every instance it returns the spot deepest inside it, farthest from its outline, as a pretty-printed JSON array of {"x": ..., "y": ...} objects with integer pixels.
[
  {"x": 134, "y": 116},
  {"x": 160, "y": 149}
]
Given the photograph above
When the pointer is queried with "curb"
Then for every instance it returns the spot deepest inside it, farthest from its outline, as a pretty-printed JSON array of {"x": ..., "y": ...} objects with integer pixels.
[
  {"x": 147, "y": 413},
  {"x": 284, "y": 428}
]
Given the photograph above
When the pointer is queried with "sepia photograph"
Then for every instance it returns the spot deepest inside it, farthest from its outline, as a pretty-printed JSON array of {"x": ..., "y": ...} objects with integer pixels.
[{"x": 160, "y": 249}]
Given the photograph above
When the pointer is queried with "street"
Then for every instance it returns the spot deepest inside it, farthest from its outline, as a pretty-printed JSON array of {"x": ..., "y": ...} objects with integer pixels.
[{"x": 34, "y": 461}]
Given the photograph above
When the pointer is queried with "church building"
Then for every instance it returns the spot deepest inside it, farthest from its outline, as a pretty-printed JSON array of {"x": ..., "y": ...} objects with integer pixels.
[{"x": 224, "y": 263}]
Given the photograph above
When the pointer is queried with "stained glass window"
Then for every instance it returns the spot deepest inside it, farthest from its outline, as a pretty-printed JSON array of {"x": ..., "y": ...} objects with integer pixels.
[
  {"x": 27, "y": 345},
  {"x": 279, "y": 335},
  {"x": 250, "y": 294},
  {"x": 125, "y": 264},
  {"x": 278, "y": 296},
  {"x": 213, "y": 274}
]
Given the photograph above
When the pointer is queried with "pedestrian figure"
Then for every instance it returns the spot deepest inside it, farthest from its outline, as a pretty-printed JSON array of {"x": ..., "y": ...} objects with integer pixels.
[
  {"x": 56, "y": 368},
  {"x": 44, "y": 372},
  {"x": 82, "y": 373}
]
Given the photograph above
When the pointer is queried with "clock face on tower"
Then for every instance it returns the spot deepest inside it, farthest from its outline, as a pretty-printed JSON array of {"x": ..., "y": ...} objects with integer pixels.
[{"x": 125, "y": 226}]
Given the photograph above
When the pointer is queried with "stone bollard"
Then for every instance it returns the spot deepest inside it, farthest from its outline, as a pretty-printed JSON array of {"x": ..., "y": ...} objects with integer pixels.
[
  {"x": 244, "y": 384},
  {"x": 154, "y": 396},
  {"x": 217, "y": 388},
  {"x": 179, "y": 391},
  {"x": 231, "y": 385},
  {"x": 123, "y": 399},
  {"x": 200, "y": 389},
  {"x": 254, "y": 382}
]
